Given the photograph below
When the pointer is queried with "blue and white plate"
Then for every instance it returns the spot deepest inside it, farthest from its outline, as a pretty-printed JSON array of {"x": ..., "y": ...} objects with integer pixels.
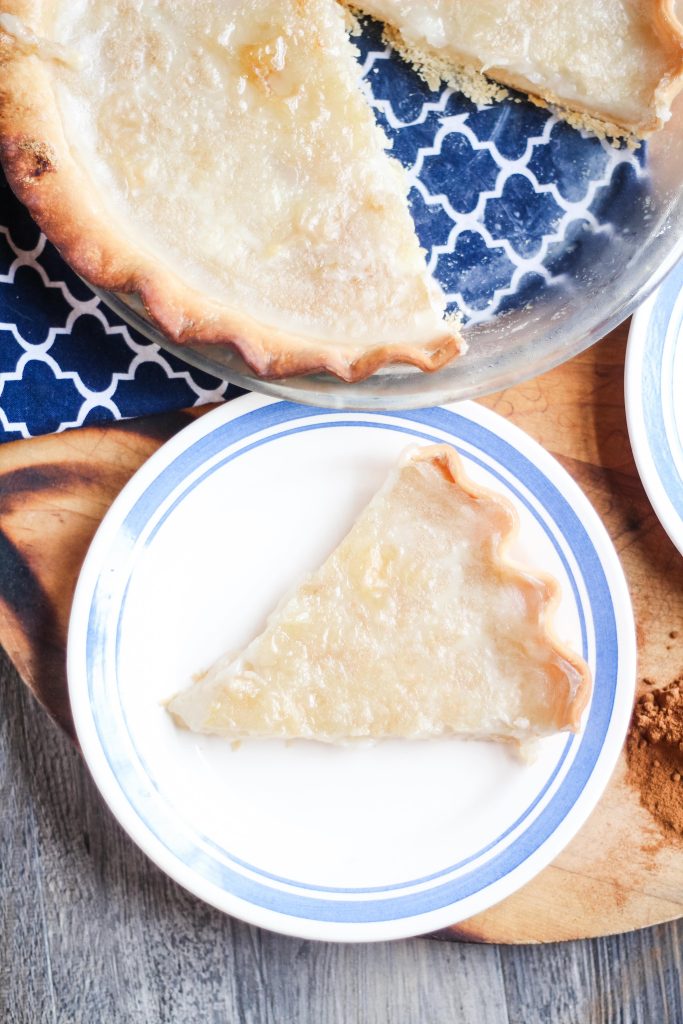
[
  {"x": 654, "y": 400},
  {"x": 352, "y": 843}
]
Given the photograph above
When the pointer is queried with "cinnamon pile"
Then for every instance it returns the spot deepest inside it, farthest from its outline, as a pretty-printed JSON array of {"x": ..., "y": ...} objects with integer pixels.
[{"x": 654, "y": 750}]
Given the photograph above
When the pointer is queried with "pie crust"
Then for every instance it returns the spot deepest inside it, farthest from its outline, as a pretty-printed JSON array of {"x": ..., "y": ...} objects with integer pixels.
[{"x": 418, "y": 625}]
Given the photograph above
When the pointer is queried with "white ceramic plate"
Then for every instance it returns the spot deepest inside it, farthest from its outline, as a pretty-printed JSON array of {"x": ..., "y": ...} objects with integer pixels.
[
  {"x": 354, "y": 843},
  {"x": 654, "y": 400}
]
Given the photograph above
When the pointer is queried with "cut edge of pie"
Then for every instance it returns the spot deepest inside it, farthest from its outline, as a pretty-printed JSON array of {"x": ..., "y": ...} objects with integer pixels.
[
  {"x": 236, "y": 697},
  {"x": 72, "y": 210}
]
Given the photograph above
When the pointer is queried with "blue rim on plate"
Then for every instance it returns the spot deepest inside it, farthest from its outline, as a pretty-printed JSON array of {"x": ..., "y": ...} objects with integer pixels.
[
  {"x": 298, "y": 907},
  {"x": 654, "y": 400}
]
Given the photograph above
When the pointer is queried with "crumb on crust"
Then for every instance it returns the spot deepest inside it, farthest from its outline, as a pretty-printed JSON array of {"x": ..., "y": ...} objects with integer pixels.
[
  {"x": 584, "y": 122},
  {"x": 434, "y": 69},
  {"x": 353, "y": 19},
  {"x": 39, "y": 157}
]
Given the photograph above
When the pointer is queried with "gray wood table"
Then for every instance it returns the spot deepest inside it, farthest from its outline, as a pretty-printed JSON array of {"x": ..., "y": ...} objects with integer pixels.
[{"x": 91, "y": 932}]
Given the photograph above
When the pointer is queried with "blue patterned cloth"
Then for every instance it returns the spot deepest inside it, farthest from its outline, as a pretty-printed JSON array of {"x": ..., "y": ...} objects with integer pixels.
[
  {"x": 65, "y": 359},
  {"x": 504, "y": 198}
]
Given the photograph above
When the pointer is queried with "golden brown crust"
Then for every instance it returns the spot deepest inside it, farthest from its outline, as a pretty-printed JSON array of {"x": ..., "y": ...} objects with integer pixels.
[
  {"x": 570, "y": 702},
  {"x": 670, "y": 30},
  {"x": 66, "y": 205}
]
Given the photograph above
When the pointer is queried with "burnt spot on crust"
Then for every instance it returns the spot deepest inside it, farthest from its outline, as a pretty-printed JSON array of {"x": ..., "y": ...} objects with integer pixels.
[{"x": 39, "y": 159}]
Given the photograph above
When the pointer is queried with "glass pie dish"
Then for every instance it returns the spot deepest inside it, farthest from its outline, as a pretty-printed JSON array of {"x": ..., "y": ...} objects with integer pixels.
[{"x": 543, "y": 237}]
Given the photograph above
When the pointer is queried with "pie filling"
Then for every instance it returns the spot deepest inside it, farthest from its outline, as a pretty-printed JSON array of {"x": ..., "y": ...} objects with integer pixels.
[{"x": 415, "y": 626}]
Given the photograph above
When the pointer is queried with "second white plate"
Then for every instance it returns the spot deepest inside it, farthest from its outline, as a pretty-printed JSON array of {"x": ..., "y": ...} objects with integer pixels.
[
  {"x": 323, "y": 842},
  {"x": 654, "y": 400}
]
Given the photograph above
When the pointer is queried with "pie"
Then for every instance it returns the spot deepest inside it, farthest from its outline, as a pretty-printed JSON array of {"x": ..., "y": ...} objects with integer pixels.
[
  {"x": 218, "y": 159},
  {"x": 416, "y": 626},
  {"x": 614, "y": 65}
]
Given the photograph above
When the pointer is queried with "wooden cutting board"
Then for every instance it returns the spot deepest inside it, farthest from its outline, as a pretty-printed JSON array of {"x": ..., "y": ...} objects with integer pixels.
[{"x": 620, "y": 872}]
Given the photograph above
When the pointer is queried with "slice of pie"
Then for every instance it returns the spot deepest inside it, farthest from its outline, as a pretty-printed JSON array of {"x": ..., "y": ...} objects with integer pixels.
[
  {"x": 219, "y": 159},
  {"x": 616, "y": 64},
  {"x": 416, "y": 626}
]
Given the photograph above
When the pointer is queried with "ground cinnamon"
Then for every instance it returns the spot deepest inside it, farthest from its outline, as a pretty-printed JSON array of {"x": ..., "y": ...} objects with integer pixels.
[{"x": 654, "y": 751}]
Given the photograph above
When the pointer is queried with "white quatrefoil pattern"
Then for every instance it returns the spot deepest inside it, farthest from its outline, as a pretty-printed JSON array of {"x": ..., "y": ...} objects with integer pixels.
[{"x": 504, "y": 197}]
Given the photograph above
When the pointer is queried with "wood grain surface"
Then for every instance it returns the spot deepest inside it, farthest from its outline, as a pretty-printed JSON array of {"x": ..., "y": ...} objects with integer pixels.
[
  {"x": 91, "y": 932},
  {"x": 620, "y": 872}
]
